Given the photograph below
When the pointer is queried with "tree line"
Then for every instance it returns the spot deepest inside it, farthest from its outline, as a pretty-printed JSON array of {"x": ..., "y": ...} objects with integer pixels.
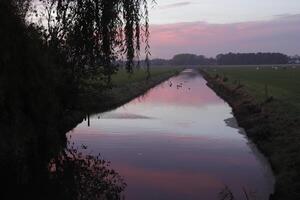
[
  {"x": 227, "y": 59},
  {"x": 252, "y": 58},
  {"x": 184, "y": 59}
]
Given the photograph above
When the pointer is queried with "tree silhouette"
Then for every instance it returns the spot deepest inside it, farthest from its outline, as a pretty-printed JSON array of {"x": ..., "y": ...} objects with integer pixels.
[
  {"x": 252, "y": 58},
  {"x": 94, "y": 33},
  {"x": 40, "y": 70}
]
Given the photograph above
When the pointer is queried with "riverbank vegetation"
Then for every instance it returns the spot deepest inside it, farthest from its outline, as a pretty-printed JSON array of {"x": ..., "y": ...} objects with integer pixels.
[
  {"x": 124, "y": 87},
  {"x": 46, "y": 66},
  {"x": 280, "y": 82},
  {"x": 265, "y": 101}
]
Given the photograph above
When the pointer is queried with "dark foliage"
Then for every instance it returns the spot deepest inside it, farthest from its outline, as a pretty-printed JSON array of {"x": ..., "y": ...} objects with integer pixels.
[
  {"x": 252, "y": 59},
  {"x": 92, "y": 34},
  {"x": 229, "y": 59},
  {"x": 184, "y": 59},
  {"x": 191, "y": 59},
  {"x": 41, "y": 72},
  {"x": 294, "y": 59},
  {"x": 78, "y": 176}
]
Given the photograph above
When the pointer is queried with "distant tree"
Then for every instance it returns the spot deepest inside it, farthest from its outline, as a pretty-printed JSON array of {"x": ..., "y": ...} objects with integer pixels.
[
  {"x": 191, "y": 59},
  {"x": 251, "y": 58},
  {"x": 159, "y": 61},
  {"x": 294, "y": 59},
  {"x": 183, "y": 59}
]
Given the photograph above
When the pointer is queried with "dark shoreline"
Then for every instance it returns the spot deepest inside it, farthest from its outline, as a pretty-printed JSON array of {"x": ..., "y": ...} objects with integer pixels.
[
  {"x": 265, "y": 128},
  {"x": 113, "y": 98}
]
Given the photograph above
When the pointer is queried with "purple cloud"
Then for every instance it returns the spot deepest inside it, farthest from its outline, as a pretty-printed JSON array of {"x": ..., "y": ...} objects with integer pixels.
[
  {"x": 281, "y": 34},
  {"x": 175, "y": 5}
]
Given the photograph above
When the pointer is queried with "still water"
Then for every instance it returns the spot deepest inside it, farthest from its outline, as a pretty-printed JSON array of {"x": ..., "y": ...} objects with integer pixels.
[{"x": 178, "y": 141}]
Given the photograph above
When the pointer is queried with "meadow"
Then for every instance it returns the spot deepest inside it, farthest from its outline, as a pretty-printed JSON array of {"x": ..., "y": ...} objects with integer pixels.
[
  {"x": 125, "y": 87},
  {"x": 280, "y": 82},
  {"x": 122, "y": 77}
]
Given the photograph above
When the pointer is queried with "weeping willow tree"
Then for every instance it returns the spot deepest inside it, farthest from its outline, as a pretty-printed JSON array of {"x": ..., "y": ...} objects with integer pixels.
[
  {"x": 81, "y": 38},
  {"x": 93, "y": 34}
]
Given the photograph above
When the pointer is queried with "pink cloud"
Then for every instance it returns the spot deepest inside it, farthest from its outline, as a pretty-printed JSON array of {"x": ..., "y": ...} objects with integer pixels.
[
  {"x": 175, "y": 5},
  {"x": 278, "y": 35}
]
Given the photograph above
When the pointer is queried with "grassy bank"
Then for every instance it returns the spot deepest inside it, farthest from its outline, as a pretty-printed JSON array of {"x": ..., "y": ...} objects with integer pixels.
[
  {"x": 125, "y": 88},
  {"x": 266, "y": 102},
  {"x": 122, "y": 78}
]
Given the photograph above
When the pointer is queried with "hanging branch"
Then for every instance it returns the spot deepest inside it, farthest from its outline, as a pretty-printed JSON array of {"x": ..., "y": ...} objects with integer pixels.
[
  {"x": 94, "y": 33},
  {"x": 147, "y": 36}
]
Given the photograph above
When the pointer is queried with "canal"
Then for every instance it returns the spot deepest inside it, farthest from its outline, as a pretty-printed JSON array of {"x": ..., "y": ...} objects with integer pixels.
[{"x": 178, "y": 141}]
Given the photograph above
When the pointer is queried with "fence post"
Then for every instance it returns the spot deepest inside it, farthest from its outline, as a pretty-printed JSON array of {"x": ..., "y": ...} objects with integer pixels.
[{"x": 266, "y": 91}]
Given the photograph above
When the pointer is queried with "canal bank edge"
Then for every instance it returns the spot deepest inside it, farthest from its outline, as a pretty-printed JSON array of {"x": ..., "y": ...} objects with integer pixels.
[
  {"x": 111, "y": 99},
  {"x": 273, "y": 134}
]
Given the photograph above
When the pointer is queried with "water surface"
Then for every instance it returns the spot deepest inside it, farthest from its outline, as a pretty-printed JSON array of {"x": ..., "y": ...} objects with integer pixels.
[{"x": 178, "y": 141}]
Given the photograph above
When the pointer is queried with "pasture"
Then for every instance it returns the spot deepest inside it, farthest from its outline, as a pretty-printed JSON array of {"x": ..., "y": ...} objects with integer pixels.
[
  {"x": 122, "y": 77},
  {"x": 280, "y": 82}
]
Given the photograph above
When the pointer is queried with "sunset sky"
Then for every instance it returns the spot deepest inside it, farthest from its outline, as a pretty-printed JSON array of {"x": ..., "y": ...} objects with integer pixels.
[{"x": 210, "y": 27}]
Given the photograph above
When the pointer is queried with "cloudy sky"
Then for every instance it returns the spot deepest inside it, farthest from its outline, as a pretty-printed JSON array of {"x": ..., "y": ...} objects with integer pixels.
[{"x": 210, "y": 27}]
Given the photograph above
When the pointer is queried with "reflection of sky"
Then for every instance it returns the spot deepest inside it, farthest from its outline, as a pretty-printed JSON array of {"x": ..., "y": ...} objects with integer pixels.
[
  {"x": 174, "y": 144},
  {"x": 192, "y": 93},
  {"x": 187, "y": 110}
]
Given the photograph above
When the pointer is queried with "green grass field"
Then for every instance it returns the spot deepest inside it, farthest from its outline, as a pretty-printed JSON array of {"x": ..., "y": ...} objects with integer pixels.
[
  {"x": 122, "y": 77},
  {"x": 282, "y": 83},
  {"x": 96, "y": 97}
]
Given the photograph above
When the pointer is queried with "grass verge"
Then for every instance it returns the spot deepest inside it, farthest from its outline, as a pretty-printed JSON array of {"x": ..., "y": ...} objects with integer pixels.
[
  {"x": 265, "y": 102},
  {"x": 125, "y": 88}
]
